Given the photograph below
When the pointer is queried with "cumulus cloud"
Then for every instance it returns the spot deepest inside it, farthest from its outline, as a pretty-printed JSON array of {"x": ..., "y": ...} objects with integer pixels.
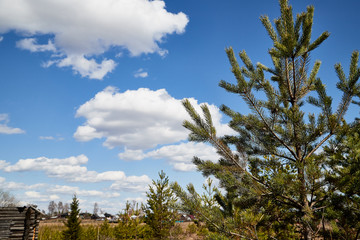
[
  {"x": 5, "y": 129},
  {"x": 47, "y": 164},
  {"x": 133, "y": 184},
  {"x": 85, "y": 29},
  {"x": 140, "y": 73},
  {"x": 3, "y": 164},
  {"x": 87, "y": 68},
  {"x": 63, "y": 189},
  {"x": 31, "y": 45},
  {"x": 131, "y": 155},
  {"x": 137, "y": 200},
  {"x": 72, "y": 169},
  {"x": 47, "y": 138},
  {"x": 70, "y": 190},
  {"x": 179, "y": 156},
  {"x": 55, "y": 190},
  {"x": 20, "y": 186},
  {"x": 110, "y": 205},
  {"x": 51, "y": 138},
  {"x": 137, "y": 119},
  {"x": 33, "y": 195}
]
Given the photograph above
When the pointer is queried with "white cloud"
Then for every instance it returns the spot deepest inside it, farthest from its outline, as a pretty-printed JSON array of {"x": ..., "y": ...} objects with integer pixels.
[
  {"x": 72, "y": 169},
  {"x": 31, "y": 45},
  {"x": 86, "y": 133},
  {"x": 51, "y": 138},
  {"x": 1, "y": 38},
  {"x": 137, "y": 119},
  {"x": 3, "y": 164},
  {"x": 132, "y": 155},
  {"x": 63, "y": 189},
  {"x": 86, "y": 28},
  {"x": 47, "y": 164},
  {"x": 33, "y": 195},
  {"x": 179, "y": 156},
  {"x": 109, "y": 206},
  {"x": 87, "y": 68},
  {"x": 70, "y": 190},
  {"x": 140, "y": 73},
  {"x": 133, "y": 184},
  {"x": 47, "y": 138},
  {"x": 4, "y": 129},
  {"x": 137, "y": 200},
  {"x": 20, "y": 186}
]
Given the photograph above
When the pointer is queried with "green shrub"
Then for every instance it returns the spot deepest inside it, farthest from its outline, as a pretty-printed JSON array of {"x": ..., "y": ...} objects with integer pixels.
[
  {"x": 106, "y": 231},
  {"x": 216, "y": 236},
  {"x": 90, "y": 233},
  {"x": 191, "y": 228},
  {"x": 176, "y": 232},
  {"x": 203, "y": 231},
  {"x": 46, "y": 233}
]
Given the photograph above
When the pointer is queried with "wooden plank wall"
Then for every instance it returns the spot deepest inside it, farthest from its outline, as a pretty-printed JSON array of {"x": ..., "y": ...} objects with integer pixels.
[{"x": 19, "y": 223}]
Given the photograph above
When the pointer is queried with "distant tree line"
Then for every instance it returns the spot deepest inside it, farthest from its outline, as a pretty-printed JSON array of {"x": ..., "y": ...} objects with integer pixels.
[
  {"x": 7, "y": 199},
  {"x": 58, "y": 208}
]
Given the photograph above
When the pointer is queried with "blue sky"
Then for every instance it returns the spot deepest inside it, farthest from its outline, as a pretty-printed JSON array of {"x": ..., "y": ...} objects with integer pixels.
[{"x": 90, "y": 90}]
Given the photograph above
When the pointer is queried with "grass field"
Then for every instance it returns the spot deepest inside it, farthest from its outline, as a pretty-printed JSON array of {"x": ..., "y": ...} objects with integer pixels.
[{"x": 100, "y": 230}]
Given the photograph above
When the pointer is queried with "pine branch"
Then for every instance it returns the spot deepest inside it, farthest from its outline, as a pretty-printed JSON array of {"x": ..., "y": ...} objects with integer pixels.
[
  {"x": 223, "y": 149},
  {"x": 195, "y": 202},
  {"x": 318, "y": 41},
  {"x": 222, "y": 230},
  {"x": 354, "y": 65},
  {"x": 341, "y": 75},
  {"x": 283, "y": 156},
  {"x": 288, "y": 80},
  {"x": 293, "y": 202},
  {"x": 313, "y": 73},
  {"x": 294, "y": 79},
  {"x": 246, "y": 60},
  {"x": 298, "y": 23},
  {"x": 269, "y": 28},
  {"x": 210, "y": 137},
  {"x": 318, "y": 146},
  {"x": 269, "y": 128}
]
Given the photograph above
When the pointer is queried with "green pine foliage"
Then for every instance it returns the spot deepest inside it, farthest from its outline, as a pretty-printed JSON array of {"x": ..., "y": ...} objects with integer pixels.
[
  {"x": 275, "y": 182},
  {"x": 160, "y": 212},
  {"x": 73, "y": 228},
  {"x": 218, "y": 212},
  {"x": 131, "y": 228},
  {"x": 343, "y": 155},
  {"x": 204, "y": 206}
]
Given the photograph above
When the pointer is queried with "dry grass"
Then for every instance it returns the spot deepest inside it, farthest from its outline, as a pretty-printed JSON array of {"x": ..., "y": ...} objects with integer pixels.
[
  {"x": 60, "y": 222},
  {"x": 57, "y": 225}
]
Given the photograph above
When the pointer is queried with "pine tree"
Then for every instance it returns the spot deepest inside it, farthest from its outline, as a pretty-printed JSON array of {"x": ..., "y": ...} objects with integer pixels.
[
  {"x": 218, "y": 212},
  {"x": 343, "y": 155},
  {"x": 276, "y": 171},
  {"x": 72, "y": 224},
  {"x": 160, "y": 207},
  {"x": 129, "y": 227}
]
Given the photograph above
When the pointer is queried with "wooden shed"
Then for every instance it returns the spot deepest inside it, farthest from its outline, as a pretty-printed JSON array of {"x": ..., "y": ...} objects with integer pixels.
[{"x": 19, "y": 223}]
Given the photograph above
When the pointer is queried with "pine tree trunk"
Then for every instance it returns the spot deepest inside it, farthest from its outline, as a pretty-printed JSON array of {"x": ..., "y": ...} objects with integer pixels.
[{"x": 306, "y": 228}]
